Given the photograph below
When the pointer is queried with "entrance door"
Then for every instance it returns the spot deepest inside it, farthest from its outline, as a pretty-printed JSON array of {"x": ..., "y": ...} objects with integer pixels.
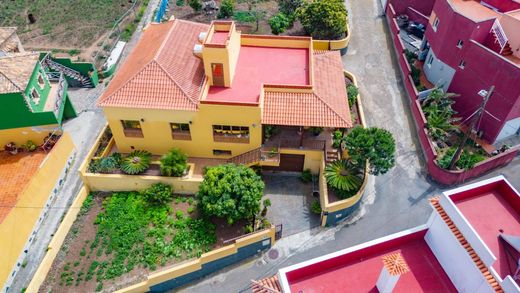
[{"x": 217, "y": 72}]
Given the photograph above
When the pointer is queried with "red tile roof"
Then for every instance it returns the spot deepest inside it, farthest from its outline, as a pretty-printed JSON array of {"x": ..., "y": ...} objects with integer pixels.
[
  {"x": 395, "y": 264},
  {"x": 326, "y": 106},
  {"x": 267, "y": 285},
  {"x": 161, "y": 72}
]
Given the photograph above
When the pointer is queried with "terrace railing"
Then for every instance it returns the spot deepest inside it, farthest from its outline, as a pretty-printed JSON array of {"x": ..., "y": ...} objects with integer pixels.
[
  {"x": 500, "y": 35},
  {"x": 59, "y": 95}
]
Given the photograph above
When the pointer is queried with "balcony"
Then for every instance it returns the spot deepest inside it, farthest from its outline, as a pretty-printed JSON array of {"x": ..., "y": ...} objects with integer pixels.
[
  {"x": 298, "y": 138},
  {"x": 230, "y": 138},
  {"x": 56, "y": 95}
]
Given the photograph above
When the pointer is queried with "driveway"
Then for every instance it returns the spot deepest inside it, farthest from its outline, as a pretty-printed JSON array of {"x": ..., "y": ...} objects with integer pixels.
[
  {"x": 395, "y": 201},
  {"x": 290, "y": 203}
]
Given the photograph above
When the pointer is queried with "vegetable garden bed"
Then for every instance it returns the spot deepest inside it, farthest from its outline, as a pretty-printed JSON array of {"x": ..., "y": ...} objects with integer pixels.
[{"x": 118, "y": 239}]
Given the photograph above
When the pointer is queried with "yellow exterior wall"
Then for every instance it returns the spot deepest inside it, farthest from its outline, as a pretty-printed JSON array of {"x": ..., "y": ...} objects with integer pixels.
[
  {"x": 194, "y": 265},
  {"x": 21, "y": 135},
  {"x": 57, "y": 241},
  {"x": 228, "y": 55},
  {"x": 313, "y": 158},
  {"x": 157, "y": 134},
  {"x": 17, "y": 227},
  {"x": 332, "y": 44}
]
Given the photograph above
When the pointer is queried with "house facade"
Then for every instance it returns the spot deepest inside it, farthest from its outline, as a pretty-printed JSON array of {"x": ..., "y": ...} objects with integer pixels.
[
  {"x": 216, "y": 93},
  {"x": 468, "y": 46}
]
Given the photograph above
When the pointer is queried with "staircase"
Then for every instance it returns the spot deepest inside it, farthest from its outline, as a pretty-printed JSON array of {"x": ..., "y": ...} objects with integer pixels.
[
  {"x": 501, "y": 38},
  {"x": 248, "y": 158},
  {"x": 465, "y": 244},
  {"x": 84, "y": 80},
  {"x": 332, "y": 155}
]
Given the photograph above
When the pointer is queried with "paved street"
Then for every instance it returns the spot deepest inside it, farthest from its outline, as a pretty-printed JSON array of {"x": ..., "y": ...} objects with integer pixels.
[{"x": 392, "y": 202}]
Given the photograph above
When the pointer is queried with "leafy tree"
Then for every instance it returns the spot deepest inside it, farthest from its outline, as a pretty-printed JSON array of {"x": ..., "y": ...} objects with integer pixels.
[
  {"x": 466, "y": 161},
  {"x": 227, "y": 9},
  {"x": 289, "y": 7},
  {"x": 344, "y": 177},
  {"x": 279, "y": 23},
  {"x": 373, "y": 144},
  {"x": 195, "y": 4},
  {"x": 158, "y": 194},
  {"x": 230, "y": 191},
  {"x": 324, "y": 19},
  {"x": 136, "y": 162},
  {"x": 440, "y": 125},
  {"x": 174, "y": 163},
  {"x": 437, "y": 108}
]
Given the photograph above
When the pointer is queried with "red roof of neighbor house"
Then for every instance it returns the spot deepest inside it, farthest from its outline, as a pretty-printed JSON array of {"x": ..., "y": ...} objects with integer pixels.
[
  {"x": 326, "y": 106},
  {"x": 161, "y": 72}
]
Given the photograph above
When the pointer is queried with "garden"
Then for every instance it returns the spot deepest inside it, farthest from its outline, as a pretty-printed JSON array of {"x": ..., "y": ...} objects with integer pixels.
[
  {"x": 120, "y": 237},
  {"x": 30, "y": 146},
  {"x": 323, "y": 20}
]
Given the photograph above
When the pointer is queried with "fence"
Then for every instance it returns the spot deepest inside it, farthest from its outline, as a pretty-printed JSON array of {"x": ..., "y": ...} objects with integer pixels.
[{"x": 443, "y": 176}]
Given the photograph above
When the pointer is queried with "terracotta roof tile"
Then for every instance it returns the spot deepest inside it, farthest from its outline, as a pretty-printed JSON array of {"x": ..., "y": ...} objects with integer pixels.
[
  {"x": 395, "y": 264},
  {"x": 266, "y": 285},
  {"x": 161, "y": 72},
  {"x": 326, "y": 106},
  {"x": 6, "y": 33},
  {"x": 16, "y": 70}
]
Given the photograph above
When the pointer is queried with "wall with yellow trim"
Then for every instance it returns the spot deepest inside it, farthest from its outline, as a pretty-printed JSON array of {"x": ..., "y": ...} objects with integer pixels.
[
  {"x": 57, "y": 241},
  {"x": 17, "y": 227},
  {"x": 194, "y": 265},
  {"x": 21, "y": 135},
  {"x": 333, "y": 44},
  {"x": 157, "y": 134},
  {"x": 276, "y": 42}
]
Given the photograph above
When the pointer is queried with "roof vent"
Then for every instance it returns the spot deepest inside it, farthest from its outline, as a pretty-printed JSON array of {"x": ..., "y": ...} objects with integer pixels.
[
  {"x": 202, "y": 36},
  {"x": 197, "y": 50}
]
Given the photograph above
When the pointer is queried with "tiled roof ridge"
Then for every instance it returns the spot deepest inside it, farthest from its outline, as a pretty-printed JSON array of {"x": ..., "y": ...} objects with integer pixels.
[
  {"x": 331, "y": 108},
  {"x": 176, "y": 83},
  {"x": 5, "y": 28},
  {"x": 165, "y": 40},
  {"x": 18, "y": 54},
  {"x": 465, "y": 244}
]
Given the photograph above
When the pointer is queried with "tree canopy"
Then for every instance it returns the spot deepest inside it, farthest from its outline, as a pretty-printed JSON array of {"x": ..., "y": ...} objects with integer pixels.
[
  {"x": 324, "y": 19},
  {"x": 230, "y": 191},
  {"x": 375, "y": 145}
]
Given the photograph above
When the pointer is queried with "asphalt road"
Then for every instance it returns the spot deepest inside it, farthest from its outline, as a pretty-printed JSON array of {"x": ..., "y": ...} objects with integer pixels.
[{"x": 393, "y": 202}]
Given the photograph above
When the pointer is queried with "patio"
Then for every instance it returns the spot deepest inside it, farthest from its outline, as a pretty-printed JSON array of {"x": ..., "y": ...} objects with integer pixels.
[{"x": 295, "y": 138}]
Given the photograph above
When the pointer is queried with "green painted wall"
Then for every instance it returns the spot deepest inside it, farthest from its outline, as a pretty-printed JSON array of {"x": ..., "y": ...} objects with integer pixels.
[
  {"x": 82, "y": 67},
  {"x": 14, "y": 113},
  {"x": 33, "y": 84}
]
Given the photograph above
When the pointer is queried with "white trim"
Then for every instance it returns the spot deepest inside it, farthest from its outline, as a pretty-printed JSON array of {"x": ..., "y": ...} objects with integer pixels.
[
  {"x": 282, "y": 273},
  {"x": 475, "y": 185}
]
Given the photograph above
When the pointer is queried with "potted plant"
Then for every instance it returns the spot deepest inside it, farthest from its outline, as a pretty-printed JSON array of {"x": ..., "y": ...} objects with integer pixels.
[
  {"x": 11, "y": 148},
  {"x": 272, "y": 153},
  {"x": 174, "y": 163}
]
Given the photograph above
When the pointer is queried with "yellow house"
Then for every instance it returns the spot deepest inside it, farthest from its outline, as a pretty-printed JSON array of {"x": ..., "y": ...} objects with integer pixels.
[{"x": 216, "y": 93}]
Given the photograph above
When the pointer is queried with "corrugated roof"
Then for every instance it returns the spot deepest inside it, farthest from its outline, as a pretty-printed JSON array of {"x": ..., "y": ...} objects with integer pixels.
[
  {"x": 6, "y": 33},
  {"x": 326, "y": 106},
  {"x": 16, "y": 70},
  {"x": 161, "y": 72}
]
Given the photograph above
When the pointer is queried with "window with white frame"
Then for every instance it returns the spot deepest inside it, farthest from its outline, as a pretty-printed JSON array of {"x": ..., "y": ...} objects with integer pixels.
[
  {"x": 462, "y": 64},
  {"x": 460, "y": 43}
]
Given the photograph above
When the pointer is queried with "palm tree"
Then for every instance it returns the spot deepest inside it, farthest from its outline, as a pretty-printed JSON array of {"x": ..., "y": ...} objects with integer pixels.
[
  {"x": 342, "y": 175},
  {"x": 440, "y": 125}
]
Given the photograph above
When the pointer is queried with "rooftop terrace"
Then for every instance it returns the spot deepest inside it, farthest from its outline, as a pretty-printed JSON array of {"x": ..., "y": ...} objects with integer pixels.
[
  {"x": 359, "y": 269},
  {"x": 491, "y": 210},
  {"x": 262, "y": 65}
]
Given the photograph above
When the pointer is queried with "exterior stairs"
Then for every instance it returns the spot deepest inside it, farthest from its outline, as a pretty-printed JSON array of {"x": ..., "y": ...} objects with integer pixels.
[
  {"x": 331, "y": 156},
  {"x": 507, "y": 50},
  {"x": 84, "y": 80},
  {"x": 248, "y": 158}
]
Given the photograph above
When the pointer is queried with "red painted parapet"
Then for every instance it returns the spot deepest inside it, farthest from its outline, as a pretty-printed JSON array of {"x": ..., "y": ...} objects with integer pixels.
[{"x": 443, "y": 176}]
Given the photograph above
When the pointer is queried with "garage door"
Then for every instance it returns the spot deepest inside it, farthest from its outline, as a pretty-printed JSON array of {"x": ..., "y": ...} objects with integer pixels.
[{"x": 293, "y": 163}]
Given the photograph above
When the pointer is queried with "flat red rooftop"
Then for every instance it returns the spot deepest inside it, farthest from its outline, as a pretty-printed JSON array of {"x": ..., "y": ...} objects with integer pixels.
[
  {"x": 219, "y": 37},
  {"x": 491, "y": 209},
  {"x": 259, "y": 65},
  {"x": 359, "y": 270}
]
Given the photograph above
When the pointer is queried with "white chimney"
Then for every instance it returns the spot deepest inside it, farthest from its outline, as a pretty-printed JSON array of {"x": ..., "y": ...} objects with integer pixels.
[
  {"x": 394, "y": 266},
  {"x": 197, "y": 50},
  {"x": 202, "y": 37}
]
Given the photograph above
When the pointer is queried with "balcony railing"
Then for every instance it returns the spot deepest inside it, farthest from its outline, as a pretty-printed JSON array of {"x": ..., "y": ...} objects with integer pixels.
[
  {"x": 217, "y": 137},
  {"x": 181, "y": 135},
  {"x": 62, "y": 84}
]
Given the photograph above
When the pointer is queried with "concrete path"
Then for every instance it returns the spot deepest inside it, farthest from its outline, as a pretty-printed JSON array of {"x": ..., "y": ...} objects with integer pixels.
[
  {"x": 84, "y": 129},
  {"x": 394, "y": 201}
]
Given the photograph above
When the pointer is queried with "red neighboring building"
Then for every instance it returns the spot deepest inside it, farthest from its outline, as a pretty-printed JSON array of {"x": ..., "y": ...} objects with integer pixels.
[
  {"x": 471, "y": 243},
  {"x": 469, "y": 46}
]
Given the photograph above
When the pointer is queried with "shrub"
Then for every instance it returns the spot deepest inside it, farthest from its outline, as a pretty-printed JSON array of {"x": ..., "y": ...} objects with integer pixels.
[
  {"x": 158, "y": 194},
  {"x": 467, "y": 160},
  {"x": 324, "y": 19},
  {"x": 316, "y": 207},
  {"x": 195, "y": 4},
  {"x": 230, "y": 191},
  {"x": 410, "y": 56},
  {"x": 190, "y": 210},
  {"x": 337, "y": 138},
  {"x": 136, "y": 162},
  {"x": 107, "y": 165},
  {"x": 227, "y": 9},
  {"x": 416, "y": 75},
  {"x": 342, "y": 175},
  {"x": 29, "y": 146},
  {"x": 174, "y": 163},
  {"x": 179, "y": 2},
  {"x": 244, "y": 17},
  {"x": 266, "y": 203},
  {"x": 179, "y": 214},
  {"x": 306, "y": 176},
  {"x": 248, "y": 229},
  {"x": 270, "y": 130},
  {"x": 289, "y": 7},
  {"x": 352, "y": 93},
  {"x": 375, "y": 145},
  {"x": 279, "y": 23},
  {"x": 316, "y": 130}
]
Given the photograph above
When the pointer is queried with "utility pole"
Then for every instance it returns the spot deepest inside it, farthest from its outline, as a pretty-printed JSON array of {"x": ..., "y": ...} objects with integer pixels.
[{"x": 471, "y": 129}]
